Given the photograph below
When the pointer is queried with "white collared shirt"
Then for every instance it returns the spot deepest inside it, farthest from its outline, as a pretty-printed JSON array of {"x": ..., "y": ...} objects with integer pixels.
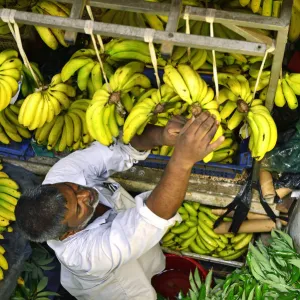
[{"x": 114, "y": 257}]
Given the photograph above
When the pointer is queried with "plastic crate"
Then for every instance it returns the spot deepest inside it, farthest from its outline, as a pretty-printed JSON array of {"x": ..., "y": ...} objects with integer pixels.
[{"x": 22, "y": 151}]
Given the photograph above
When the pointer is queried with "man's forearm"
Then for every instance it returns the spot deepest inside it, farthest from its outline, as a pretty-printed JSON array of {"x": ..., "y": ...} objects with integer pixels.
[
  {"x": 168, "y": 195},
  {"x": 151, "y": 137}
]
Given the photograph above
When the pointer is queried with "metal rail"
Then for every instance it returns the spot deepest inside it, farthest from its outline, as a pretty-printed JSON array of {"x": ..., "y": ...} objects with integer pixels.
[{"x": 253, "y": 46}]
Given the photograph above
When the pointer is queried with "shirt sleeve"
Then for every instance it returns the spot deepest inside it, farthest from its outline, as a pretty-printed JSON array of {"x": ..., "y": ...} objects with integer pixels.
[
  {"x": 131, "y": 234},
  {"x": 95, "y": 161}
]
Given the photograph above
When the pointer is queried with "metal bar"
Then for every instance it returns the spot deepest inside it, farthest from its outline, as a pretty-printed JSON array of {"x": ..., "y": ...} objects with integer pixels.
[
  {"x": 231, "y": 263},
  {"x": 196, "y": 13},
  {"x": 76, "y": 13},
  {"x": 236, "y": 18},
  {"x": 174, "y": 15},
  {"x": 250, "y": 35},
  {"x": 121, "y": 31},
  {"x": 276, "y": 67}
]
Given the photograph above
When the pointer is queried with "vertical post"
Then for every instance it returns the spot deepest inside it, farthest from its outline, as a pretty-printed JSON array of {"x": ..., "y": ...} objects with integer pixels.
[
  {"x": 174, "y": 15},
  {"x": 76, "y": 13}
]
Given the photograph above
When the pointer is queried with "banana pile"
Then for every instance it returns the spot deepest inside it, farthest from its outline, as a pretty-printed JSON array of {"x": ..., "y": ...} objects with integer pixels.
[
  {"x": 163, "y": 150},
  {"x": 3, "y": 263},
  {"x": 123, "y": 50},
  {"x": 106, "y": 111},
  {"x": 43, "y": 105},
  {"x": 52, "y": 37},
  {"x": 195, "y": 234},
  {"x": 10, "y": 74},
  {"x": 89, "y": 74},
  {"x": 288, "y": 89},
  {"x": 237, "y": 106},
  {"x": 28, "y": 83},
  {"x": 9, "y": 196},
  {"x": 66, "y": 130},
  {"x": 10, "y": 128}
]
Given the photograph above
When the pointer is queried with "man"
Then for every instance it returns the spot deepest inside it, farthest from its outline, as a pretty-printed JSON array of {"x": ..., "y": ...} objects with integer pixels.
[{"x": 106, "y": 242}]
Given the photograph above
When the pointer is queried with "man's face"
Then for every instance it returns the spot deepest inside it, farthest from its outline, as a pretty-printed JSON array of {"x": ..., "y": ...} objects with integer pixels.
[{"x": 81, "y": 203}]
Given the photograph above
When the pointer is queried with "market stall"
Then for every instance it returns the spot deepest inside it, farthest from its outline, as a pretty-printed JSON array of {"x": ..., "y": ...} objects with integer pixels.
[{"x": 75, "y": 72}]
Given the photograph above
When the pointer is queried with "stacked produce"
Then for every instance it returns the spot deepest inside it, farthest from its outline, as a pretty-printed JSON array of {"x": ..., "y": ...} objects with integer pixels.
[
  {"x": 10, "y": 74},
  {"x": 42, "y": 106},
  {"x": 9, "y": 196},
  {"x": 52, "y": 37},
  {"x": 89, "y": 74},
  {"x": 66, "y": 130},
  {"x": 294, "y": 29},
  {"x": 28, "y": 83},
  {"x": 10, "y": 128},
  {"x": 238, "y": 105},
  {"x": 106, "y": 112},
  {"x": 123, "y": 50},
  {"x": 288, "y": 89},
  {"x": 195, "y": 234},
  {"x": 272, "y": 273}
]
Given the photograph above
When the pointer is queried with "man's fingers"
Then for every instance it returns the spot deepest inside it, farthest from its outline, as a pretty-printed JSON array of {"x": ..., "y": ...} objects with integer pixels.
[
  {"x": 213, "y": 146},
  {"x": 198, "y": 122},
  {"x": 205, "y": 127},
  {"x": 187, "y": 125},
  {"x": 178, "y": 119}
]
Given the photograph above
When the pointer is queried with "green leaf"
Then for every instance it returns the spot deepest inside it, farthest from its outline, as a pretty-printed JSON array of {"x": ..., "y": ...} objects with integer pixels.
[
  {"x": 286, "y": 237},
  {"x": 193, "y": 295},
  {"x": 42, "y": 284},
  {"x": 251, "y": 295},
  {"x": 17, "y": 298},
  {"x": 46, "y": 268},
  {"x": 192, "y": 283},
  {"x": 43, "y": 298},
  {"x": 47, "y": 294},
  {"x": 295, "y": 262},
  {"x": 208, "y": 281},
  {"x": 197, "y": 278},
  {"x": 46, "y": 261}
]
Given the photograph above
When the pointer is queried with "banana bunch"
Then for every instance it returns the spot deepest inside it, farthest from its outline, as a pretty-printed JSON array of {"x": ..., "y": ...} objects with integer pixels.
[
  {"x": 195, "y": 234},
  {"x": 28, "y": 83},
  {"x": 9, "y": 196},
  {"x": 10, "y": 128},
  {"x": 52, "y": 37},
  {"x": 10, "y": 74},
  {"x": 147, "y": 110},
  {"x": 66, "y": 130},
  {"x": 294, "y": 29},
  {"x": 42, "y": 106},
  {"x": 89, "y": 74},
  {"x": 3, "y": 263},
  {"x": 287, "y": 90},
  {"x": 193, "y": 90},
  {"x": 107, "y": 109},
  {"x": 134, "y": 19},
  {"x": 120, "y": 50},
  {"x": 163, "y": 150}
]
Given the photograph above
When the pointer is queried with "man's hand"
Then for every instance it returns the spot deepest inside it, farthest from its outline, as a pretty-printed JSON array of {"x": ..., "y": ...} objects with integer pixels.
[
  {"x": 172, "y": 130},
  {"x": 194, "y": 140}
]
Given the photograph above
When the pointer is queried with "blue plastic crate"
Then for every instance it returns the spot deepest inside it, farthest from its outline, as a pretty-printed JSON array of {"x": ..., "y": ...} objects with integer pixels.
[{"x": 22, "y": 151}]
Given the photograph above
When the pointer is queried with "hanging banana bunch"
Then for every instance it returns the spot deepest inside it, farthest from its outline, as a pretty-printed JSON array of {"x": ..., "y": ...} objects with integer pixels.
[
  {"x": 238, "y": 106},
  {"x": 193, "y": 90},
  {"x": 106, "y": 111},
  {"x": 10, "y": 74},
  {"x": 89, "y": 75},
  {"x": 120, "y": 50},
  {"x": 28, "y": 83},
  {"x": 47, "y": 102},
  {"x": 52, "y": 37},
  {"x": 68, "y": 130}
]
